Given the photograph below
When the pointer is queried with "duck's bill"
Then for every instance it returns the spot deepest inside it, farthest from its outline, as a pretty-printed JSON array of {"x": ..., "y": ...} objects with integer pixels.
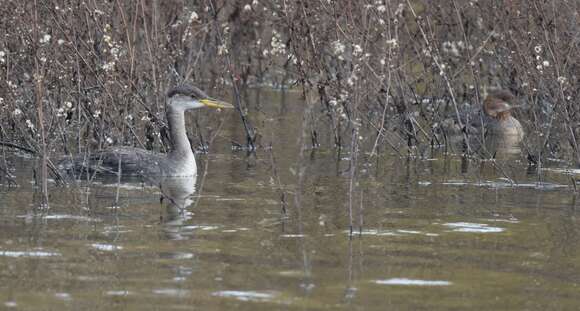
[
  {"x": 214, "y": 103},
  {"x": 509, "y": 107},
  {"x": 519, "y": 106}
]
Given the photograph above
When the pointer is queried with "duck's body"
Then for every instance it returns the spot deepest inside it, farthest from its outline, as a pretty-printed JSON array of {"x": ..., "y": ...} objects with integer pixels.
[
  {"x": 492, "y": 124},
  {"x": 129, "y": 161},
  {"x": 502, "y": 130},
  {"x": 503, "y": 138},
  {"x": 509, "y": 128}
]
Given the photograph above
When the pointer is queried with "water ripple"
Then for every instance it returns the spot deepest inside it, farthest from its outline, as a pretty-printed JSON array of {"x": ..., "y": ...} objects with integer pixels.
[
  {"x": 246, "y": 295},
  {"x": 472, "y": 227},
  {"x": 412, "y": 282}
]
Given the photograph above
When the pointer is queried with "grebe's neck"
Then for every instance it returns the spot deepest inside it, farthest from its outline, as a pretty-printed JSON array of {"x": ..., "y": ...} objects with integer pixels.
[{"x": 180, "y": 148}]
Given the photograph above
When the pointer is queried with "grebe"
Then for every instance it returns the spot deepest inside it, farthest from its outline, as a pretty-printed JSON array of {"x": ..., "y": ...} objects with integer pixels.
[{"x": 129, "y": 161}]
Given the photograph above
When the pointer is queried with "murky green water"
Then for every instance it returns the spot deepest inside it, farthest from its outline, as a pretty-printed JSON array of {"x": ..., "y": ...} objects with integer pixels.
[{"x": 437, "y": 235}]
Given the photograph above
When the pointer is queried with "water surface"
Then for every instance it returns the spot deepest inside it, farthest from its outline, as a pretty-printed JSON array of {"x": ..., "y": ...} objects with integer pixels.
[{"x": 438, "y": 234}]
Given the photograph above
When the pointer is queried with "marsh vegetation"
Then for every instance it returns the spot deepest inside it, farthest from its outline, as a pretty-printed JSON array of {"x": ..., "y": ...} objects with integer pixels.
[{"x": 329, "y": 96}]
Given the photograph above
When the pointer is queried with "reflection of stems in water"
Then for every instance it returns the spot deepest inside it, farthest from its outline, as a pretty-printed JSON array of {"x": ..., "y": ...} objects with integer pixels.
[
  {"x": 3, "y": 168},
  {"x": 302, "y": 161},
  {"x": 301, "y": 171},
  {"x": 381, "y": 132},
  {"x": 200, "y": 135},
  {"x": 544, "y": 146},
  {"x": 5, "y": 173},
  {"x": 86, "y": 169},
  {"x": 57, "y": 175},
  {"x": 354, "y": 150},
  {"x": 495, "y": 165},
  {"x": 350, "y": 290},
  {"x": 119, "y": 172},
  {"x": 360, "y": 213},
  {"x": 485, "y": 155},
  {"x": 352, "y": 175},
  {"x": 276, "y": 178},
  {"x": 206, "y": 162}
]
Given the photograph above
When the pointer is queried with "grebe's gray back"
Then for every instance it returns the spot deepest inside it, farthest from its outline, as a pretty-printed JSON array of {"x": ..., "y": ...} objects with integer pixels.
[{"x": 180, "y": 161}]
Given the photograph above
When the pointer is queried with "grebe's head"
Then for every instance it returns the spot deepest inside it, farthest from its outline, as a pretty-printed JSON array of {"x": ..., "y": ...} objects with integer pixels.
[
  {"x": 498, "y": 104},
  {"x": 187, "y": 96}
]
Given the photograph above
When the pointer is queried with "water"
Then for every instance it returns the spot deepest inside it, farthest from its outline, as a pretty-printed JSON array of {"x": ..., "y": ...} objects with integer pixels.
[{"x": 438, "y": 234}]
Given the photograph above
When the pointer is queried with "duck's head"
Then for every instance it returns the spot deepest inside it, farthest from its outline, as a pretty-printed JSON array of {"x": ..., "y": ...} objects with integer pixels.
[
  {"x": 498, "y": 104},
  {"x": 187, "y": 96}
]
